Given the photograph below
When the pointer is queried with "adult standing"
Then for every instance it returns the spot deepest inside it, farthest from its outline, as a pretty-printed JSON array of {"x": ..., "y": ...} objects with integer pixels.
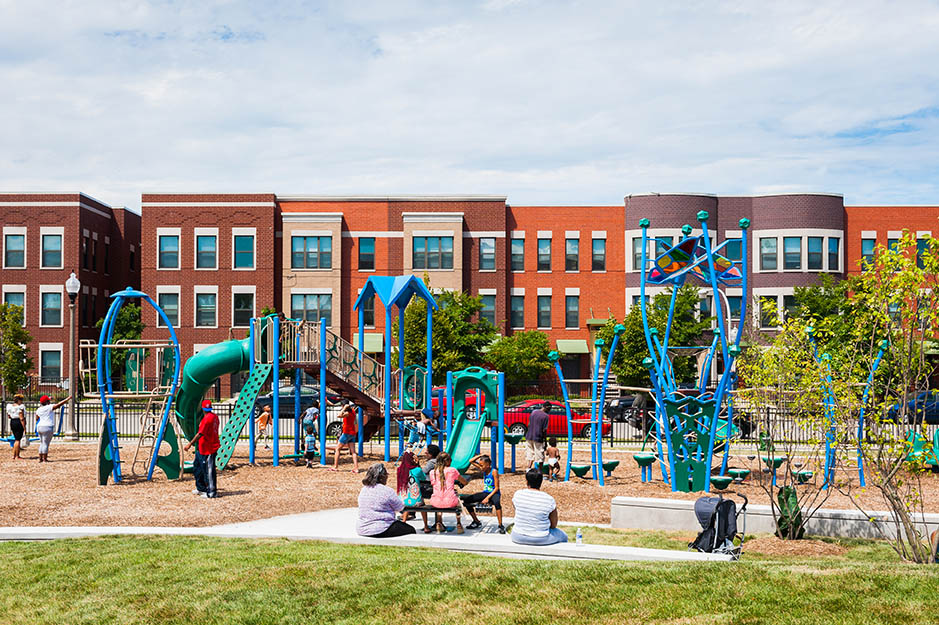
[
  {"x": 536, "y": 433},
  {"x": 378, "y": 505},
  {"x": 203, "y": 466},
  {"x": 45, "y": 424},
  {"x": 16, "y": 413},
  {"x": 536, "y": 514}
]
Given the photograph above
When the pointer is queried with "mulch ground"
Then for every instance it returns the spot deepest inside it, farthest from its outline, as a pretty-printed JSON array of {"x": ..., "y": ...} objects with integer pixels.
[{"x": 64, "y": 492}]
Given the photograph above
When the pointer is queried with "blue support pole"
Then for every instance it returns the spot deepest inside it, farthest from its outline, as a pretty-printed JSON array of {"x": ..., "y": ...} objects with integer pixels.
[
  {"x": 387, "y": 407},
  {"x": 428, "y": 383},
  {"x": 359, "y": 418},
  {"x": 598, "y": 430},
  {"x": 860, "y": 425},
  {"x": 296, "y": 406},
  {"x": 167, "y": 410},
  {"x": 449, "y": 404},
  {"x": 594, "y": 397},
  {"x": 501, "y": 424},
  {"x": 570, "y": 426},
  {"x": 441, "y": 418},
  {"x": 322, "y": 415},
  {"x": 252, "y": 435},
  {"x": 276, "y": 388}
]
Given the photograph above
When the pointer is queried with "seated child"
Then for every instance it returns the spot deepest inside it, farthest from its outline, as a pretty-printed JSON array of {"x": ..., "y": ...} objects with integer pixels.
[
  {"x": 419, "y": 430},
  {"x": 553, "y": 459},
  {"x": 309, "y": 442},
  {"x": 444, "y": 479},
  {"x": 489, "y": 495}
]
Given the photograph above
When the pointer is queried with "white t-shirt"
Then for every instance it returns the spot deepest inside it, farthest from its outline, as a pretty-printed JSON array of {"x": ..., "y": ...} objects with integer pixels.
[
  {"x": 16, "y": 412},
  {"x": 46, "y": 416},
  {"x": 532, "y": 508}
]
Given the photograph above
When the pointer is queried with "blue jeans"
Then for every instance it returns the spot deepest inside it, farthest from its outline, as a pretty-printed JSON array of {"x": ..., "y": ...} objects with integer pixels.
[{"x": 554, "y": 536}]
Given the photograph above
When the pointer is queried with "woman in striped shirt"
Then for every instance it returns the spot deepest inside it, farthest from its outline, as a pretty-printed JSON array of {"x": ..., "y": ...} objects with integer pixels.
[{"x": 536, "y": 514}]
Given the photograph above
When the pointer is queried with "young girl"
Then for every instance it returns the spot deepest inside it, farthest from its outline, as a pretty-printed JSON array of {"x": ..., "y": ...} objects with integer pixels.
[
  {"x": 553, "y": 458},
  {"x": 263, "y": 423},
  {"x": 16, "y": 413},
  {"x": 443, "y": 478},
  {"x": 348, "y": 437}
]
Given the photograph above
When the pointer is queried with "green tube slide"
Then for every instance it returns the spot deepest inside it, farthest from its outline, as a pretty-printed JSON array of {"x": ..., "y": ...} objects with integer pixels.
[
  {"x": 467, "y": 432},
  {"x": 200, "y": 372}
]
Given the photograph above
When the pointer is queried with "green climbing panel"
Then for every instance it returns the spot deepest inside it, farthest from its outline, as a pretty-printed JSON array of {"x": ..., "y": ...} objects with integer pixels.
[
  {"x": 689, "y": 442},
  {"x": 171, "y": 464},
  {"x": 105, "y": 459},
  {"x": 244, "y": 410}
]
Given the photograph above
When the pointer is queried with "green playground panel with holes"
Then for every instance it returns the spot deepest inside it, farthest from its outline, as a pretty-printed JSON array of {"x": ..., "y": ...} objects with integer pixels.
[{"x": 244, "y": 410}]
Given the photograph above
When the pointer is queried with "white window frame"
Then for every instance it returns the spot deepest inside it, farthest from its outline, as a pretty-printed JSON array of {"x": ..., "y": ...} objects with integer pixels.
[
  {"x": 318, "y": 291},
  {"x": 600, "y": 235},
  {"x": 14, "y": 230},
  {"x": 203, "y": 232},
  {"x": 804, "y": 234},
  {"x": 58, "y": 231},
  {"x": 495, "y": 255},
  {"x": 777, "y": 292},
  {"x": 245, "y": 232},
  {"x": 242, "y": 289},
  {"x": 169, "y": 232},
  {"x": 15, "y": 288},
  {"x": 573, "y": 234},
  {"x": 203, "y": 290},
  {"x": 52, "y": 347},
  {"x": 169, "y": 289},
  {"x": 53, "y": 288}
]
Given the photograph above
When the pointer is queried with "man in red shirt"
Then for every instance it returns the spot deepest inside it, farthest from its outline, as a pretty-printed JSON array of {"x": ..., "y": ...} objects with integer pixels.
[{"x": 203, "y": 466}]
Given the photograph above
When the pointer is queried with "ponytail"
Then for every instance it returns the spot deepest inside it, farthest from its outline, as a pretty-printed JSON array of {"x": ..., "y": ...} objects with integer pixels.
[{"x": 443, "y": 461}]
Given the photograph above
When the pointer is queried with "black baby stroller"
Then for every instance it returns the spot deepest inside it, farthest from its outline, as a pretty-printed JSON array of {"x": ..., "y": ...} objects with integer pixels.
[{"x": 718, "y": 519}]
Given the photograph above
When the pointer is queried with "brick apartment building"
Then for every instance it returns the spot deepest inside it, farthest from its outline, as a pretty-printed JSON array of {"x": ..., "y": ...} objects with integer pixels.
[
  {"x": 213, "y": 261},
  {"x": 45, "y": 238}
]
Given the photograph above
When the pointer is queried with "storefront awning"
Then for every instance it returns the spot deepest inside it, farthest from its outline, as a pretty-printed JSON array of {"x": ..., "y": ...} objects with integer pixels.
[
  {"x": 596, "y": 322},
  {"x": 374, "y": 342},
  {"x": 572, "y": 346}
]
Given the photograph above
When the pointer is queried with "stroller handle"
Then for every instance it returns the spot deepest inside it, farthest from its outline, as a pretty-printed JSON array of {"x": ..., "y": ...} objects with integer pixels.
[{"x": 745, "y": 500}]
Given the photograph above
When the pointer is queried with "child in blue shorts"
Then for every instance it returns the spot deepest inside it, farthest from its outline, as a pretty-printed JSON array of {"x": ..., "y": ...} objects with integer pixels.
[{"x": 309, "y": 442}]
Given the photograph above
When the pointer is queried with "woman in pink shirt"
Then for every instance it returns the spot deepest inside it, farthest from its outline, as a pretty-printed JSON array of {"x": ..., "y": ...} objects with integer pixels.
[{"x": 443, "y": 479}]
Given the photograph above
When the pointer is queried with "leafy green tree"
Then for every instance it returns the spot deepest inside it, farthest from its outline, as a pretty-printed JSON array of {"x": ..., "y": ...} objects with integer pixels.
[
  {"x": 15, "y": 362},
  {"x": 523, "y": 356},
  {"x": 687, "y": 329},
  {"x": 459, "y": 334},
  {"x": 127, "y": 326}
]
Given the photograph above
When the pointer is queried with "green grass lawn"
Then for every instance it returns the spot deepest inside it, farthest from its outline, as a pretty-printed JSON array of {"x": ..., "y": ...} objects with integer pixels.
[{"x": 209, "y": 580}]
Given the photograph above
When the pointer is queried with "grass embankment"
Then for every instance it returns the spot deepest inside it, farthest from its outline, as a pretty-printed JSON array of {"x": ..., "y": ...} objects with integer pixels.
[{"x": 208, "y": 580}]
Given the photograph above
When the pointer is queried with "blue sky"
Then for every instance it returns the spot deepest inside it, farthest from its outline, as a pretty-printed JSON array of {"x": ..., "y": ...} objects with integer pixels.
[{"x": 545, "y": 102}]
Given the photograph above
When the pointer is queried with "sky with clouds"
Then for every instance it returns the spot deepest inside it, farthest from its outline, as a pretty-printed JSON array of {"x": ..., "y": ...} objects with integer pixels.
[{"x": 545, "y": 102}]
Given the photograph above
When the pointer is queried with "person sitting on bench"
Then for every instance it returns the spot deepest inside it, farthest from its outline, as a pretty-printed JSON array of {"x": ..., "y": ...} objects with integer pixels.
[
  {"x": 443, "y": 478},
  {"x": 378, "y": 505},
  {"x": 490, "y": 495},
  {"x": 536, "y": 514}
]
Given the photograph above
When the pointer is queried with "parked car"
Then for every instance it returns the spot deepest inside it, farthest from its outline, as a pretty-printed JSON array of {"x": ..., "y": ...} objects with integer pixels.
[
  {"x": 924, "y": 408},
  {"x": 619, "y": 408},
  {"x": 517, "y": 417},
  {"x": 308, "y": 395}
]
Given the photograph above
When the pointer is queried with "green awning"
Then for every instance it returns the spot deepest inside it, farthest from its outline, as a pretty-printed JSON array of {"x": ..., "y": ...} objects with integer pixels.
[
  {"x": 374, "y": 342},
  {"x": 572, "y": 346},
  {"x": 596, "y": 322}
]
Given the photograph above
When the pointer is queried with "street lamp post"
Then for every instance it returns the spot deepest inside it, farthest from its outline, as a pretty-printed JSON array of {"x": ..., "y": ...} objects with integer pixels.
[{"x": 72, "y": 286}]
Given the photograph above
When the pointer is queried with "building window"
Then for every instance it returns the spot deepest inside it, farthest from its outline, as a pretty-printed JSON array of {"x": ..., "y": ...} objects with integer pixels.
[
  {"x": 544, "y": 254},
  {"x": 312, "y": 308},
  {"x": 792, "y": 252},
  {"x": 598, "y": 255},
  {"x": 51, "y": 251},
  {"x": 518, "y": 254},
  {"x": 544, "y": 311},
  {"x": 243, "y": 309},
  {"x": 789, "y": 305},
  {"x": 637, "y": 253},
  {"x": 734, "y": 302},
  {"x": 517, "y": 311},
  {"x": 51, "y": 313},
  {"x": 833, "y": 252},
  {"x": 432, "y": 252},
  {"x": 168, "y": 252},
  {"x": 663, "y": 244},
  {"x": 768, "y": 254},
  {"x": 368, "y": 312},
  {"x": 867, "y": 252},
  {"x": 922, "y": 246},
  {"x": 132, "y": 258},
  {"x": 14, "y": 251},
  {"x": 488, "y": 311},
  {"x": 311, "y": 252},
  {"x": 84, "y": 314},
  {"x": 572, "y": 311},
  {"x": 169, "y": 302},
  {"x": 244, "y": 251},
  {"x": 206, "y": 251},
  {"x": 50, "y": 366},
  {"x": 704, "y": 308},
  {"x": 94, "y": 255},
  {"x": 733, "y": 250},
  {"x": 769, "y": 311},
  {"x": 815, "y": 253},
  {"x": 107, "y": 258},
  {"x": 18, "y": 299},
  {"x": 206, "y": 305},
  {"x": 571, "y": 254},
  {"x": 85, "y": 251},
  {"x": 366, "y": 254},
  {"x": 487, "y": 254},
  {"x": 94, "y": 307},
  {"x": 892, "y": 244}
]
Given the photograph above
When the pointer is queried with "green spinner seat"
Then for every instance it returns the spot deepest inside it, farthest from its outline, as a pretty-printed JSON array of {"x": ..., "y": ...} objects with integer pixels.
[
  {"x": 739, "y": 474},
  {"x": 721, "y": 482},
  {"x": 803, "y": 476},
  {"x": 610, "y": 465},
  {"x": 580, "y": 470},
  {"x": 513, "y": 439},
  {"x": 645, "y": 462}
]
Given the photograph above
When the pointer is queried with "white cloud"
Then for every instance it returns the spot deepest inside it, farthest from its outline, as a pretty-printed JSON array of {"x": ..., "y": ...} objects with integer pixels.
[{"x": 555, "y": 102}]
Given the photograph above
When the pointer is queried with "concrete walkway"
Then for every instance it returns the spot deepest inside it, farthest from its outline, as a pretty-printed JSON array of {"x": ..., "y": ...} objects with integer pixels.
[{"x": 338, "y": 526}]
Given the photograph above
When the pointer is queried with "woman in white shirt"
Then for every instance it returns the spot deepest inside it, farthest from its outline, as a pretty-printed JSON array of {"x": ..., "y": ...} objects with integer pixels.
[
  {"x": 536, "y": 514},
  {"x": 45, "y": 424},
  {"x": 16, "y": 413}
]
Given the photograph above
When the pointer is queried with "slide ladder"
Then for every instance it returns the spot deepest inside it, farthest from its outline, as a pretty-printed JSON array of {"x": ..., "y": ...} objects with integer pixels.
[{"x": 244, "y": 410}]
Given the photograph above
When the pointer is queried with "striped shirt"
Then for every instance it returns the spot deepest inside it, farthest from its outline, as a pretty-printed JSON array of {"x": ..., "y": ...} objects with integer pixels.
[{"x": 532, "y": 508}]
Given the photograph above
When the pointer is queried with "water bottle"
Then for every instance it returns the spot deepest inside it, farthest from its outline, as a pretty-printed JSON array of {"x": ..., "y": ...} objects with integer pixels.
[{"x": 580, "y": 537}]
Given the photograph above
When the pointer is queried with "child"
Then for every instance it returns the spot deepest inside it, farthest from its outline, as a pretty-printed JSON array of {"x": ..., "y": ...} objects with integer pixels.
[
  {"x": 553, "y": 458},
  {"x": 348, "y": 437},
  {"x": 203, "y": 467},
  {"x": 419, "y": 432},
  {"x": 490, "y": 494},
  {"x": 309, "y": 442},
  {"x": 263, "y": 424},
  {"x": 443, "y": 478}
]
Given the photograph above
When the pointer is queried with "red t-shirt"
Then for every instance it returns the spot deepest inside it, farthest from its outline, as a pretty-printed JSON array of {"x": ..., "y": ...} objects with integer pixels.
[
  {"x": 208, "y": 428},
  {"x": 349, "y": 423}
]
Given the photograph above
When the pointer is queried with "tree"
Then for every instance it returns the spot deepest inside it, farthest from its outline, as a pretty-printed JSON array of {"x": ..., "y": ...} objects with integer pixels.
[
  {"x": 15, "y": 362},
  {"x": 687, "y": 329},
  {"x": 523, "y": 356},
  {"x": 459, "y": 335},
  {"x": 127, "y": 326}
]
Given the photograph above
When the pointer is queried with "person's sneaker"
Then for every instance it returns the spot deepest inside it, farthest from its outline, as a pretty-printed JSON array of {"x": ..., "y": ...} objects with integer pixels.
[
  {"x": 196, "y": 491},
  {"x": 474, "y": 525},
  {"x": 204, "y": 495},
  {"x": 501, "y": 529}
]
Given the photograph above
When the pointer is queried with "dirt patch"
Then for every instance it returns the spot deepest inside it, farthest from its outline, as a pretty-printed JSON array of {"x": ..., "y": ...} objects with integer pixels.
[{"x": 773, "y": 546}]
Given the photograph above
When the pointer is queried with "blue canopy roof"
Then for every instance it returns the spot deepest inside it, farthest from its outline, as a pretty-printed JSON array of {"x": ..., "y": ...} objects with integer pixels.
[{"x": 395, "y": 291}]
